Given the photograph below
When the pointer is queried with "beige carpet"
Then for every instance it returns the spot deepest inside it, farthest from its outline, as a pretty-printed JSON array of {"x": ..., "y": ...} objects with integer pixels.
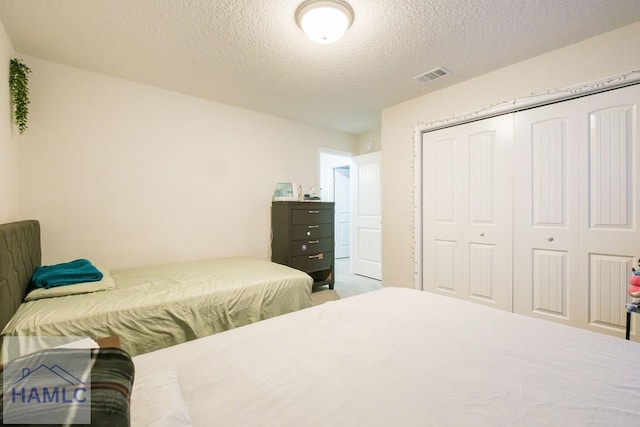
[{"x": 324, "y": 295}]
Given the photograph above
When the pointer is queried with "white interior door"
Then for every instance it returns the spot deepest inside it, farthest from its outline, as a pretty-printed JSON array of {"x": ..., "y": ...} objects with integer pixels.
[
  {"x": 546, "y": 213},
  {"x": 342, "y": 196},
  {"x": 576, "y": 225},
  {"x": 609, "y": 207},
  {"x": 467, "y": 218},
  {"x": 367, "y": 216}
]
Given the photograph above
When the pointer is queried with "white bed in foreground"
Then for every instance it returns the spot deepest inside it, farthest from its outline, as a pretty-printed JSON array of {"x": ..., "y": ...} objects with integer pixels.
[{"x": 393, "y": 357}]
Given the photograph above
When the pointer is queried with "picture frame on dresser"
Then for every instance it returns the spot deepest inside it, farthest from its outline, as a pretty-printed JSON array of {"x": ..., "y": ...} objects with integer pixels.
[{"x": 303, "y": 238}]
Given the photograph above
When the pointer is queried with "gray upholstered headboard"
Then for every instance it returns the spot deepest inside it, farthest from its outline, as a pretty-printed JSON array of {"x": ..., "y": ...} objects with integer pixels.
[{"x": 20, "y": 253}]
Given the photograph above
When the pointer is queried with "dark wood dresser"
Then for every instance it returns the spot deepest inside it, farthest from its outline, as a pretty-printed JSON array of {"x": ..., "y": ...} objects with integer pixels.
[{"x": 303, "y": 238}]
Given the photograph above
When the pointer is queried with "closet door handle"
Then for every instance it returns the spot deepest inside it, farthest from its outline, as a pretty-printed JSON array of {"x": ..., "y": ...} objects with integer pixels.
[{"x": 313, "y": 226}]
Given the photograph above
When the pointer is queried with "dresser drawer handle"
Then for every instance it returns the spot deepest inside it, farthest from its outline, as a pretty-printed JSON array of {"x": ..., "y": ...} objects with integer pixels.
[
  {"x": 319, "y": 256},
  {"x": 313, "y": 226},
  {"x": 311, "y": 242},
  {"x": 314, "y": 212}
]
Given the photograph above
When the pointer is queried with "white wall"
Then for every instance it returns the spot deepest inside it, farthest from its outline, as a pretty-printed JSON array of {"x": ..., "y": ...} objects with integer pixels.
[
  {"x": 592, "y": 59},
  {"x": 370, "y": 141},
  {"x": 9, "y": 138},
  {"x": 127, "y": 174}
]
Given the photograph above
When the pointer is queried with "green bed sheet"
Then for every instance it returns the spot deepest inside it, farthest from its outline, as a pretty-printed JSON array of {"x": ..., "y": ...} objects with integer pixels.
[{"x": 159, "y": 306}]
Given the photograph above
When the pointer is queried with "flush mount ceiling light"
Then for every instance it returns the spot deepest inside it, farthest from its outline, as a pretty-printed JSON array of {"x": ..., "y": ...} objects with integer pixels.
[{"x": 324, "y": 21}]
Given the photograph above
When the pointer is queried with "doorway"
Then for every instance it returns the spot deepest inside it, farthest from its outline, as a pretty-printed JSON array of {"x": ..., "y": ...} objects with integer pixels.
[
  {"x": 342, "y": 198},
  {"x": 352, "y": 183},
  {"x": 335, "y": 172}
]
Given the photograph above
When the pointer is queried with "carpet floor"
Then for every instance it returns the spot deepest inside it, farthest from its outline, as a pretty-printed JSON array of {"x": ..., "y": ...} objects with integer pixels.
[{"x": 324, "y": 295}]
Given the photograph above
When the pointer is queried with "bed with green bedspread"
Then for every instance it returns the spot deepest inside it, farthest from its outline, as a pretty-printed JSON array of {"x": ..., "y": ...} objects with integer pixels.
[{"x": 155, "y": 306}]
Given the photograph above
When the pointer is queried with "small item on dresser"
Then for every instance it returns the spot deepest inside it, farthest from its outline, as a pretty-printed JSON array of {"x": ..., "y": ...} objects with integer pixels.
[
  {"x": 286, "y": 191},
  {"x": 311, "y": 196}
]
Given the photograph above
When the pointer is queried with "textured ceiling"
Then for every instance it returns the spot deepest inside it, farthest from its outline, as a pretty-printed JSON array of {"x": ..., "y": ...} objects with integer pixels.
[{"x": 250, "y": 53}]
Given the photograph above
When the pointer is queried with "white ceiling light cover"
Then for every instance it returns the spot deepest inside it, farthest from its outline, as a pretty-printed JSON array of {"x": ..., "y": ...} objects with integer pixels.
[{"x": 324, "y": 21}]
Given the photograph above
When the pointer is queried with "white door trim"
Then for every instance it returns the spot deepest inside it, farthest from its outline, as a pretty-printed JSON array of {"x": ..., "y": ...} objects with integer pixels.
[{"x": 417, "y": 210}]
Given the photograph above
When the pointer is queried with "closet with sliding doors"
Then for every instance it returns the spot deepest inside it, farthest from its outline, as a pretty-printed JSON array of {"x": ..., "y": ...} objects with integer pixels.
[{"x": 537, "y": 211}]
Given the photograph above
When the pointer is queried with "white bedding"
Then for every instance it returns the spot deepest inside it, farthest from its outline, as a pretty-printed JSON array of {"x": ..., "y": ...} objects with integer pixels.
[{"x": 399, "y": 357}]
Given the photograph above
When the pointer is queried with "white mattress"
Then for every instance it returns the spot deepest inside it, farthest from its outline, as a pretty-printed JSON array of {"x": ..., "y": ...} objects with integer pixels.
[{"x": 398, "y": 357}]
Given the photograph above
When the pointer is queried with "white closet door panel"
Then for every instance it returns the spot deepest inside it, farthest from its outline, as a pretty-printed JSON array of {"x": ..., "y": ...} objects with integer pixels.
[
  {"x": 442, "y": 232},
  {"x": 445, "y": 266},
  {"x": 608, "y": 291},
  {"x": 549, "y": 168},
  {"x": 482, "y": 149},
  {"x": 467, "y": 222},
  {"x": 482, "y": 265},
  {"x": 610, "y": 169},
  {"x": 546, "y": 216},
  {"x": 488, "y": 237},
  {"x": 550, "y": 284},
  {"x": 445, "y": 176},
  {"x": 610, "y": 199}
]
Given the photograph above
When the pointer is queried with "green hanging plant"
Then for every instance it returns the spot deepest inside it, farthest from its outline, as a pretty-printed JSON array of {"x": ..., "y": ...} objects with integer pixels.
[{"x": 19, "y": 88}]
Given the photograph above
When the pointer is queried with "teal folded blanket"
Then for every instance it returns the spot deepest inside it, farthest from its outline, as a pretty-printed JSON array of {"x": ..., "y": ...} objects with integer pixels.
[{"x": 67, "y": 273}]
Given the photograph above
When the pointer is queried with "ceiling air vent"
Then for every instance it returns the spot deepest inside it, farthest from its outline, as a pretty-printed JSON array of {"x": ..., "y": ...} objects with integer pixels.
[{"x": 431, "y": 75}]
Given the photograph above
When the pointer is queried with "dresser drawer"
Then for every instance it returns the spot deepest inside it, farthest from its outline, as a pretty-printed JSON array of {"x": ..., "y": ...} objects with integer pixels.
[
  {"x": 311, "y": 246},
  {"x": 321, "y": 261},
  {"x": 311, "y": 216},
  {"x": 311, "y": 231}
]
